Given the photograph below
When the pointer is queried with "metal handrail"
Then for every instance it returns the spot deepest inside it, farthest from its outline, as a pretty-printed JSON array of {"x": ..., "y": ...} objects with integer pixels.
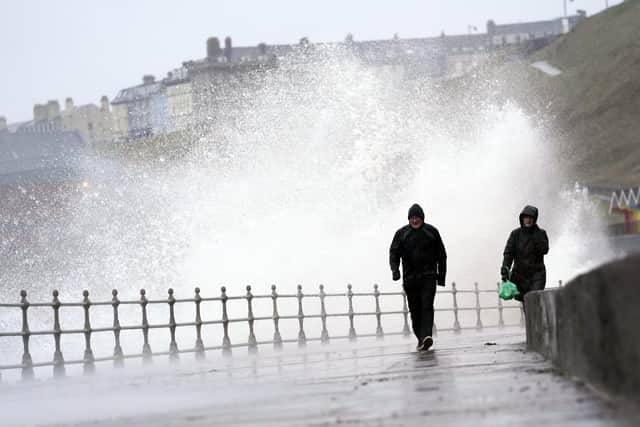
[{"x": 88, "y": 361}]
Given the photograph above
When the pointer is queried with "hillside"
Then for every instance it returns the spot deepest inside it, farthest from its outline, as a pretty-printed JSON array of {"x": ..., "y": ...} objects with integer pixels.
[{"x": 596, "y": 100}]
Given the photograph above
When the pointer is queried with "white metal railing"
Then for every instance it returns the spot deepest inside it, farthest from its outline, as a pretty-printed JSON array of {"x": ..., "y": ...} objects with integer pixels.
[{"x": 88, "y": 361}]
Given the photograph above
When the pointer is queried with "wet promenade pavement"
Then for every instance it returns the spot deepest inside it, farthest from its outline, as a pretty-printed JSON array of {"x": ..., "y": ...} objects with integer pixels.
[{"x": 479, "y": 379}]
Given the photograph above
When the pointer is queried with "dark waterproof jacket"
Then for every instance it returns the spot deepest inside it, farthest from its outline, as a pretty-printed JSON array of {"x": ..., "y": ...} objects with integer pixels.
[
  {"x": 525, "y": 249},
  {"x": 422, "y": 253}
]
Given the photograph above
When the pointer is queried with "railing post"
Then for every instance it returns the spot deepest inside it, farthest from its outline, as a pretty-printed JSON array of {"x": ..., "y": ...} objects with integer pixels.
[
  {"x": 324, "y": 336},
  {"x": 277, "y": 339},
  {"x": 226, "y": 342},
  {"x": 477, "y": 292},
  {"x": 118, "y": 357},
  {"x": 199, "y": 343},
  {"x": 434, "y": 328},
  {"x": 500, "y": 310},
  {"x": 173, "y": 345},
  {"x": 456, "y": 320},
  {"x": 559, "y": 283},
  {"x": 405, "y": 313},
  {"x": 376, "y": 295},
  {"x": 253, "y": 344},
  {"x": 302, "y": 339},
  {"x": 146, "y": 348},
  {"x": 27, "y": 363},
  {"x": 352, "y": 329},
  {"x": 88, "y": 360},
  {"x": 58, "y": 360}
]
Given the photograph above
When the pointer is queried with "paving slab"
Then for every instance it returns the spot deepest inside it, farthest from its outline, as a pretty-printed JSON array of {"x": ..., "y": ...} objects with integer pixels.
[{"x": 480, "y": 379}]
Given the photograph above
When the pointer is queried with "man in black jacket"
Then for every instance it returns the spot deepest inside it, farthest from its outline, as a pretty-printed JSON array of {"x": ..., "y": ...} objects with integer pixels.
[
  {"x": 525, "y": 249},
  {"x": 424, "y": 264}
]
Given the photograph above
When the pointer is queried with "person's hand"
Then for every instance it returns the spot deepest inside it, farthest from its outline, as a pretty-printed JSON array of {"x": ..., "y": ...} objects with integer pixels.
[
  {"x": 504, "y": 273},
  {"x": 441, "y": 281},
  {"x": 395, "y": 276}
]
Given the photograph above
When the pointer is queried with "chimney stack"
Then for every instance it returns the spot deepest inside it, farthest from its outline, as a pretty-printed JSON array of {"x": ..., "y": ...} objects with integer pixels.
[
  {"x": 39, "y": 112},
  {"x": 491, "y": 27},
  {"x": 148, "y": 79},
  {"x": 213, "y": 48},
  {"x": 53, "y": 109},
  {"x": 3, "y": 123},
  {"x": 104, "y": 103},
  {"x": 68, "y": 104},
  {"x": 228, "y": 48},
  {"x": 262, "y": 48}
]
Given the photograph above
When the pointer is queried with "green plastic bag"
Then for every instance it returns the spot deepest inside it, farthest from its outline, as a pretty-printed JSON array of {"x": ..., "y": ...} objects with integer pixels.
[{"x": 508, "y": 290}]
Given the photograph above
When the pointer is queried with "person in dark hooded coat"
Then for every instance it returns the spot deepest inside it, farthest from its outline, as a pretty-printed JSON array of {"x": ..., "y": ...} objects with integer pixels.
[
  {"x": 525, "y": 250},
  {"x": 424, "y": 264}
]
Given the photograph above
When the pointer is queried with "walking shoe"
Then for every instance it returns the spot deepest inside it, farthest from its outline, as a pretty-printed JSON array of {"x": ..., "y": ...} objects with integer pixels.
[{"x": 426, "y": 344}]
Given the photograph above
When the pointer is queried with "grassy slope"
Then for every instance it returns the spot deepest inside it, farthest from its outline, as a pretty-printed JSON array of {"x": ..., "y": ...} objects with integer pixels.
[{"x": 596, "y": 101}]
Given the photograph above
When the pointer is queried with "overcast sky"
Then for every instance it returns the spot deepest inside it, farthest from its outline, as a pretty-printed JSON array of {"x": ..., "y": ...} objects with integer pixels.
[{"x": 52, "y": 49}]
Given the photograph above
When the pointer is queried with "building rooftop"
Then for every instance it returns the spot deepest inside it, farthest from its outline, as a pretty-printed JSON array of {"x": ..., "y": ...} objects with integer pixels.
[
  {"x": 136, "y": 93},
  {"x": 552, "y": 26},
  {"x": 176, "y": 76}
]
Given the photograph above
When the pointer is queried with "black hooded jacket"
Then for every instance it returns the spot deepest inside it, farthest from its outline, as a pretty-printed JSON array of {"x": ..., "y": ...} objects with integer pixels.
[
  {"x": 526, "y": 247},
  {"x": 422, "y": 253}
]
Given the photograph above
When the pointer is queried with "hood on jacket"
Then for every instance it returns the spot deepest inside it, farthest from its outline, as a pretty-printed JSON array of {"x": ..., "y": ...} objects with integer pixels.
[
  {"x": 531, "y": 211},
  {"x": 416, "y": 210}
]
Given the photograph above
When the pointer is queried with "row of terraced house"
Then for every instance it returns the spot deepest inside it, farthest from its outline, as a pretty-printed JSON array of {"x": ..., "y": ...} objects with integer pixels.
[{"x": 191, "y": 95}]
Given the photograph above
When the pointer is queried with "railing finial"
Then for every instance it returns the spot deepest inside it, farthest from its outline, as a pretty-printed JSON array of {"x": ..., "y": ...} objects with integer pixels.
[
  {"x": 27, "y": 362},
  {"x": 88, "y": 364},
  {"x": 146, "y": 347},
  {"x": 456, "y": 321},
  {"x": 253, "y": 343},
  {"x": 500, "y": 309},
  {"x": 226, "y": 341},
  {"x": 118, "y": 356},
  {"x": 173, "y": 345},
  {"x": 302, "y": 338},
  {"x": 58, "y": 360},
  {"x": 277, "y": 338},
  {"x": 376, "y": 294},
  {"x": 352, "y": 329},
  {"x": 324, "y": 335},
  {"x": 405, "y": 313},
  {"x": 199, "y": 344},
  {"x": 476, "y": 290}
]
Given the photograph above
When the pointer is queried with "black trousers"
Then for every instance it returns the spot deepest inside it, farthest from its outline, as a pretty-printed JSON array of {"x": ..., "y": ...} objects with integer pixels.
[
  {"x": 534, "y": 281},
  {"x": 420, "y": 296}
]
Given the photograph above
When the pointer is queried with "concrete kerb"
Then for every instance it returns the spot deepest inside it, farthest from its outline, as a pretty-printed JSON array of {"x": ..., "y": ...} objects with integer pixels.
[{"x": 590, "y": 327}]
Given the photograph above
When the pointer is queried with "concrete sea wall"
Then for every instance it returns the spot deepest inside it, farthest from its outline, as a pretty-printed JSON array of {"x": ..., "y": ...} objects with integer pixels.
[{"x": 591, "y": 327}]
